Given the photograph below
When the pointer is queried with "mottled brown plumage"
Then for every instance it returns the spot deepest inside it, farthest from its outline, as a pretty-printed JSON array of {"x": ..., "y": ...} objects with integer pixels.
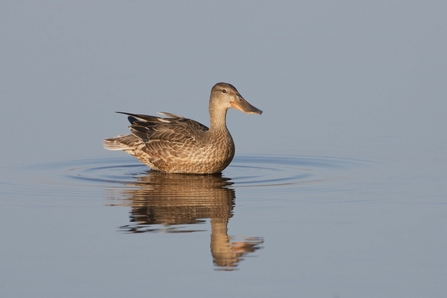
[{"x": 174, "y": 144}]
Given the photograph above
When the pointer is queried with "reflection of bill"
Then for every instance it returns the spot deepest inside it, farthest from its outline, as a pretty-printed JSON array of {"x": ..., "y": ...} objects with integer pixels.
[
  {"x": 167, "y": 201},
  {"x": 226, "y": 253}
]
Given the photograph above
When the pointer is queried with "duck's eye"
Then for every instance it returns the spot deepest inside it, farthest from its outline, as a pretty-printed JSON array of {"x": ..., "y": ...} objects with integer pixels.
[{"x": 224, "y": 90}]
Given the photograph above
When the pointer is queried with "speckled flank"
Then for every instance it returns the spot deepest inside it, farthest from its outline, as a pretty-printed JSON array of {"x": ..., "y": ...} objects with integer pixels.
[{"x": 175, "y": 144}]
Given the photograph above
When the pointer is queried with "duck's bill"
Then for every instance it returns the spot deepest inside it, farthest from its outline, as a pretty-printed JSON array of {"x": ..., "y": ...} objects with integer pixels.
[{"x": 243, "y": 105}]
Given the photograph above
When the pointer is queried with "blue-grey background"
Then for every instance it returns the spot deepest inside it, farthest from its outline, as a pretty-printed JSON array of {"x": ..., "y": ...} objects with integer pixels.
[{"x": 348, "y": 79}]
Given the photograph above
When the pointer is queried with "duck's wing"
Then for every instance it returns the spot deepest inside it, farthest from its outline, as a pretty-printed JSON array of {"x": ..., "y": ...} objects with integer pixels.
[{"x": 165, "y": 133}]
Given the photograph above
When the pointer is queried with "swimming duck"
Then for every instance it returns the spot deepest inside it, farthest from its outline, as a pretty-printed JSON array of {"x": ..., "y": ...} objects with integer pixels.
[{"x": 174, "y": 144}]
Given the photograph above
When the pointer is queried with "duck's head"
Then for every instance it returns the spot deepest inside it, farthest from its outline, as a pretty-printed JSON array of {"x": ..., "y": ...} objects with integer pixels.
[{"x": 224, "y": 95}]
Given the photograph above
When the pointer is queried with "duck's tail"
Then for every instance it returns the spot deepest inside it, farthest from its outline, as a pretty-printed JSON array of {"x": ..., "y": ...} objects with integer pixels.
[{"x": 121, "y": 142}]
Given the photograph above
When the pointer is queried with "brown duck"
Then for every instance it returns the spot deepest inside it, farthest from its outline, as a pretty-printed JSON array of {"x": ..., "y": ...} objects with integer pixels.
[{"x": 179, "y": 145}]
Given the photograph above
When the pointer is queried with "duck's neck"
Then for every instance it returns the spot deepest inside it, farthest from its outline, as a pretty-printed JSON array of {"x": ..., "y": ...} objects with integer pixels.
[{"x": 218, "y": 119}]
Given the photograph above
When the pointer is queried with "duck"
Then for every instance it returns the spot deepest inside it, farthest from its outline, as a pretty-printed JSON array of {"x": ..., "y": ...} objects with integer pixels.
[{"x": 174, "y": 144}]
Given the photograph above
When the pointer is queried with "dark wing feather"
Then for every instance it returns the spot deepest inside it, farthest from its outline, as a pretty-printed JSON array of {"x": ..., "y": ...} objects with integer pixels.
[{"x": 140, "y": 117}]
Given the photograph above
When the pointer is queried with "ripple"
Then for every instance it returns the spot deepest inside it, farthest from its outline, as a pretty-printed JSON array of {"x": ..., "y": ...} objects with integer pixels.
[
  {"x": 244, "y": 171},
  {"x": 268, "y": 171},
  {"x": 258, "y": 172}
]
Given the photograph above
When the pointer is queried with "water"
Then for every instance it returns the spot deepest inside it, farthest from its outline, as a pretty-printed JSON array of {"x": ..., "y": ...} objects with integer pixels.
[
  {"x": 283, "y": 220},
  {"x": 337, "y": 190},
  {"x": 177, "y": 203}
]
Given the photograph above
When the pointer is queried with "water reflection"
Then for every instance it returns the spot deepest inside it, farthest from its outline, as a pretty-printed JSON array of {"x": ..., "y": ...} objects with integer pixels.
[
  {"x": 184, "y": 203},
  {"x": 166, "y": 202}
]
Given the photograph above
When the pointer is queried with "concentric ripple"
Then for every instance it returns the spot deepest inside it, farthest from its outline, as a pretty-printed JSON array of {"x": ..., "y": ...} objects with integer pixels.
[
  {"x": 286, "y": 170},
  {"x": 259, "y": 172},
  {"x": 244, "y": 171}
]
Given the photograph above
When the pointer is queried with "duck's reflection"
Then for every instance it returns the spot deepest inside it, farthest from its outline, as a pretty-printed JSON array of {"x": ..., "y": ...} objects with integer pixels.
[{"x": 169, "y": 201}]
